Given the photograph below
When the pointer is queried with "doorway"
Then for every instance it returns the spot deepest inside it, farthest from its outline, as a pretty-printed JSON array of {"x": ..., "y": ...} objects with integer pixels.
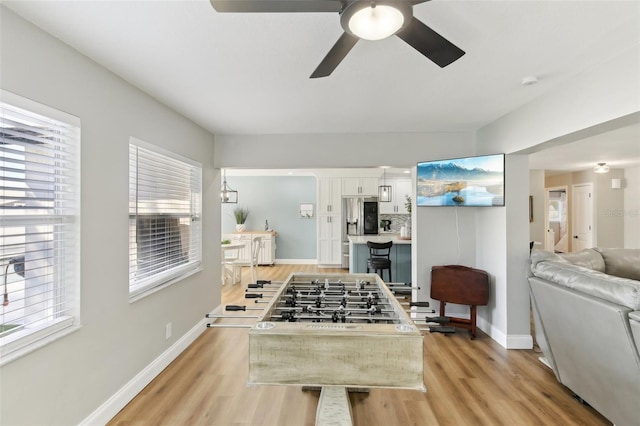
[
  {"x": 582, "y": 217},
  {"x": 557, "y": 220}
]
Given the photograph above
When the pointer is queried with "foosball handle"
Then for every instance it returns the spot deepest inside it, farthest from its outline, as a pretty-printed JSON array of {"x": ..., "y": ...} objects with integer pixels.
[
  {"x": 442, "y": 329},
  {"x": 257, "y": 285},
  {"x": 235, "y": 308},
  {"x": 252, "y": 296},
  {"x": 419, "y": 304},
  {"x": 439, "y": 320},
  {"x": 263, "y": 282}
]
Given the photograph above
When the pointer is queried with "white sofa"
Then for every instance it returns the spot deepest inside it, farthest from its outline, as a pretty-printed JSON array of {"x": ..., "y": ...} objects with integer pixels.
[{"x": 586, "y": 309}]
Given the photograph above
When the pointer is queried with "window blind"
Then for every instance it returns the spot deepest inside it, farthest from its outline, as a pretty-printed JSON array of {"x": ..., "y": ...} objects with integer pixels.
[
  {"x": 39, "y": 212},
  {"x": 164, "y": 216}
]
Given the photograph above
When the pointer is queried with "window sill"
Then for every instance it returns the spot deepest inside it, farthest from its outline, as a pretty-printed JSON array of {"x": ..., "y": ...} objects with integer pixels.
[
  {"x": 17, "y": 345},
  {"x": 140, "y": 294}
]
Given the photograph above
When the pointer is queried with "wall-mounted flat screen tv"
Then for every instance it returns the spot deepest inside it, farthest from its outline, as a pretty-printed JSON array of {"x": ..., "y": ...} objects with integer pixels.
[{"x": 470, "y": 182}]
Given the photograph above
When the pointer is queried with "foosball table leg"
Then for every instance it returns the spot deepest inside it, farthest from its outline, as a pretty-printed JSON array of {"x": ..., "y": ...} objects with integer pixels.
[{"x": 333, "y": 407}]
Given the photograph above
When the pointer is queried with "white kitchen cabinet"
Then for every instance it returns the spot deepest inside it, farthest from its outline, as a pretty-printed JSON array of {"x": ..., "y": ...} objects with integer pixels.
[
  {"x": 360, "y": 187},
  {"x": 330, "y": 240},
  {"x": 267, "y": 255},
  {"x": 244, "y": 254},
  {"x": 400, "y": 189},
  {"x": 329, "y": 196},
  {"x": 267, "y": 249}
]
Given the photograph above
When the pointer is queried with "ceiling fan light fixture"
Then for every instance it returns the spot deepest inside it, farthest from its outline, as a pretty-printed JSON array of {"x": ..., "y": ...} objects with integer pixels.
[
  {"x": 601, "y": 168},
  {"x": 374, "y": 20}
]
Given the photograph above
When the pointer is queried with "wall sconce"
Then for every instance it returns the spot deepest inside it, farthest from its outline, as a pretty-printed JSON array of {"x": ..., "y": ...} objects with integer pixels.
[{"x": 227, "y": 195}]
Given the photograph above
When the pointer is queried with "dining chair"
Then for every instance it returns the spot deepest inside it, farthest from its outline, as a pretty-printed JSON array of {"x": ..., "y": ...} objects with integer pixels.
[
  {"x": 252, "y": 262},
  {"x": 230, "y": 267}
]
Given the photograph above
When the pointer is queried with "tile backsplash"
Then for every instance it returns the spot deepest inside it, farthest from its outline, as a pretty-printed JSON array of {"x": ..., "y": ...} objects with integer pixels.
[{"x": 397, "y": 220}]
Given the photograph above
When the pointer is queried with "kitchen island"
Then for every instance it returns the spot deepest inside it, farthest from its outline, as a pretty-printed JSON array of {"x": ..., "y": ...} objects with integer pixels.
[{"x": 400, "y": 255}]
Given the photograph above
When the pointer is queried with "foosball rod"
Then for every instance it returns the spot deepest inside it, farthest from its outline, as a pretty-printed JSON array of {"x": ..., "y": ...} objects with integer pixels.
[
  {"x": 332, "y": 296},
  {"x": 209, "y": 325},
  {"x": 350, "y": 286},
  {"x": 325, "y": 316},
  {"x": 223, "y": 316},
  {"x": 329, "y": 303},
  {"x": 301, "y": 309},
  {"x": 402, "y": 287}
]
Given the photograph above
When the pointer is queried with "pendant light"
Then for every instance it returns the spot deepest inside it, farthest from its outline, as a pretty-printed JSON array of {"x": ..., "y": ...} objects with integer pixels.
[
  {"x": 227, "y": 195},
  {"x": 384, "y": 190}
]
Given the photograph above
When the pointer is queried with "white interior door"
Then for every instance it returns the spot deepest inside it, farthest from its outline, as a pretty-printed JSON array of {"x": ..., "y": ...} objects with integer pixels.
[{"x": 582, "y": 226}]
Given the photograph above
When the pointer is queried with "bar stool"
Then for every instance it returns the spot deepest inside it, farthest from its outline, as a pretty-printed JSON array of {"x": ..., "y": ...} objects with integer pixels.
[{"x": 379, "y": 258}]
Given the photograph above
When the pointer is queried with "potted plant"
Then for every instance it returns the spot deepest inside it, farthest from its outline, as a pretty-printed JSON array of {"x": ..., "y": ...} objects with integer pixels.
[{"x": 240, "y": 213}]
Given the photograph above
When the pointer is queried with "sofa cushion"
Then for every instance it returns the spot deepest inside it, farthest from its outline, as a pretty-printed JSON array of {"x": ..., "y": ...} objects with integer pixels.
[
  {"x": 622, "y": 291},
  {"x": 587, "y": 258},
  {"x": 621, "y": 262}
]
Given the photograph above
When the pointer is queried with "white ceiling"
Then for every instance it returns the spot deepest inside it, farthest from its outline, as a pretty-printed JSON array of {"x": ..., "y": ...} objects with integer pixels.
[
  {"x": 249, "y": 73},
  {"x": 618, "y": 148}
]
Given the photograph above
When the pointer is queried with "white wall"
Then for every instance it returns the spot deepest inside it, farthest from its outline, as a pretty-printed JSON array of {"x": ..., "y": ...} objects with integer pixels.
[
  {"x": 599, "y": 95},
  {"x": 310, "y": 151},
  {"x": 536, "y": 190},
  {"x": 631, "y": 213},
  {"x": 64, "y": 382},
  {"x": 608, "y": 210}
]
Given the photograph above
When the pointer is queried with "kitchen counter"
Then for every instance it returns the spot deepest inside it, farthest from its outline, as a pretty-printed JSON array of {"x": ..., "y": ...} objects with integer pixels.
[
  {"x": 400, "y": 255},
  {"x": 380, "y": 238},
  {"x": 274, "y": 233}
]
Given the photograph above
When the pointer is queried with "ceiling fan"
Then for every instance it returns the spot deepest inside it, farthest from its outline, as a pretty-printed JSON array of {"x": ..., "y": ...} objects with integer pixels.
[{"x": 360, "y": 19}]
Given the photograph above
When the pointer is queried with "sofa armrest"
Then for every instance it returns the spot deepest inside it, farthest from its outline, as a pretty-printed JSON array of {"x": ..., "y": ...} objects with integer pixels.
[{"x": 621, "y": 262}]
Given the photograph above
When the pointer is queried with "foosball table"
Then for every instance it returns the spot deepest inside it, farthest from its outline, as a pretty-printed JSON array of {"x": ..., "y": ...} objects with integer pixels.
[{"x": 337, "y": 332}]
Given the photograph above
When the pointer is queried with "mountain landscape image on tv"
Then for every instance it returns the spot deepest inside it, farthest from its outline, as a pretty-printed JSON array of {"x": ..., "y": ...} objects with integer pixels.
[{"x": 469, "y": 181}]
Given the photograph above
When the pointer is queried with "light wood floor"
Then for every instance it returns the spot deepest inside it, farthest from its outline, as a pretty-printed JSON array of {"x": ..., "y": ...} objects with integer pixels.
[{"x": 469, "y": 382}]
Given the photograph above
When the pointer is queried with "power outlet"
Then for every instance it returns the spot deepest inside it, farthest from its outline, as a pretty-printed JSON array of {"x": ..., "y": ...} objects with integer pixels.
[{"x": 167, "y": 331}]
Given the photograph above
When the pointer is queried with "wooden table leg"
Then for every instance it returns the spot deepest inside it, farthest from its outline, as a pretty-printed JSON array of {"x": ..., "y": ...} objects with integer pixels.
[{"x": 472, "y": 330}]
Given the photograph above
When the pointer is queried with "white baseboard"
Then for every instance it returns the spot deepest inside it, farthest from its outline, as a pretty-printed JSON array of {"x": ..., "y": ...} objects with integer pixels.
[
  {"x": 519, "y": 341},
  {"x": 508, "y": 341},
  {"x": 112, "y": 406},
  {"x": 296, "y": 261},
  {"x": 545, "y": 362}
]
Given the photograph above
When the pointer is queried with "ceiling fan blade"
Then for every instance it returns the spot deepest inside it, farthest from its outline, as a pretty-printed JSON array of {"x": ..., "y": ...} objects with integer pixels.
[
  {"x": 277, "y": 6},
  {"x": 337, "y": 53},
  {"x": 430, "y": 43}
]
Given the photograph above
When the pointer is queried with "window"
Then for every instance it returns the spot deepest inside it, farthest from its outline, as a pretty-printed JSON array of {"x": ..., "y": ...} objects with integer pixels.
[
  {"x": 164, "y": 217},
  {"x": 39, "y": 224}
]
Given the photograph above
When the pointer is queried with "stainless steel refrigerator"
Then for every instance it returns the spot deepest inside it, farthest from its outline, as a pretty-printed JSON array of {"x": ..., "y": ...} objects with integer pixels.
[{"x": 359, "y": 217}]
